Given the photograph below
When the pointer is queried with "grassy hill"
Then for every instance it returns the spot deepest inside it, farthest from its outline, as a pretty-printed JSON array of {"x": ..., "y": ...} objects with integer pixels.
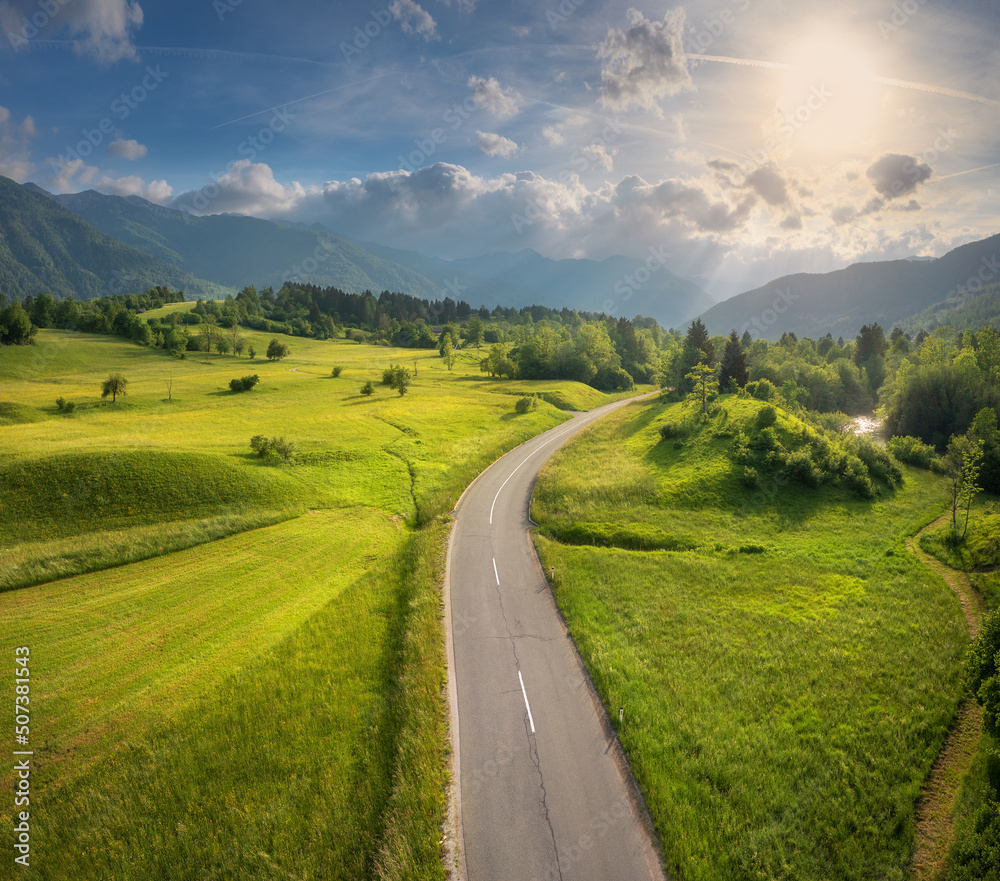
[
  {"x": 44, "y": 247},
  {"x": 238, "y": 666},
  {"x": 788, "y": 670}
]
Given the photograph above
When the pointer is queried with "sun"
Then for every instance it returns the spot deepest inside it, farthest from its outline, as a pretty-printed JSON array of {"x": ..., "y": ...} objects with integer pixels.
[{"x": 827, "y": 99}]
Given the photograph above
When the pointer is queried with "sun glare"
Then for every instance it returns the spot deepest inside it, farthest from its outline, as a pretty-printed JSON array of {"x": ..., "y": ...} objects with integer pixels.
[{"x": 827, "y": 100}]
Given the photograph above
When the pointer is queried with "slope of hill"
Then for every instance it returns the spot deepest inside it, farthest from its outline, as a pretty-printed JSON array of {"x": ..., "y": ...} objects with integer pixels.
[
  {"x": 841, "y": 302},
  {"x": 44, "y": 247},
  {"x": 965, "y": 310},
  {"x": 237, "y": 251}
]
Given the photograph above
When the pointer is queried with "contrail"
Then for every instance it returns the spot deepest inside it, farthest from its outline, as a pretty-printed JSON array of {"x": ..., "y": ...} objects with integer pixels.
[
  {"x": 884, "y": 80},
  {"x": 967, "y": 171}
]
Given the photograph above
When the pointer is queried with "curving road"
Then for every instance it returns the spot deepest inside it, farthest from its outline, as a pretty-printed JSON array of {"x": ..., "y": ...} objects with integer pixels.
[{"x": 542, "y": 790}]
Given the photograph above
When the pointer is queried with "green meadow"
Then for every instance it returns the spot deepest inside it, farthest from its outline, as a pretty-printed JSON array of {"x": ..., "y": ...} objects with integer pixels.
[
  {"x": 789, "y": 672},
  {"x": 237, "y": 668}
]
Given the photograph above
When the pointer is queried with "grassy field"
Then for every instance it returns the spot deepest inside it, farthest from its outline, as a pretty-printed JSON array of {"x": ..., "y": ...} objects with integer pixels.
[
  {"x": 239, "y": 670},
  {"x": 788, "y": 671}
]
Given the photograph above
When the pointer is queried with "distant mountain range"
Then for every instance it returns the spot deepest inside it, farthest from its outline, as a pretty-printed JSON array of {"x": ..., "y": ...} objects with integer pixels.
[
  {"x": 841, "y": 302},
  {"x": 87, "y": 244},
  {"x": 234, "y": 251},
  {"x": 45, "y": 247}
]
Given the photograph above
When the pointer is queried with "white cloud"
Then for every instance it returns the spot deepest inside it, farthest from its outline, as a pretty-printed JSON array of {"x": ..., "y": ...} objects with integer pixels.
[
  {"x": 75, "y": 175},
  {"x": 15, "y": 153},
  {"x": 489, "y": 94},
  {"x": 126, "y": 149},
  {"x": 553, "y": 136},
  {"x": 496, "y": 145},
  {"x": 598, "y": 154},
  {"x": 28, "y": 127},
  {"x": 413, "y": 18},
  {"x": 644, "y": 63},
  {"x": 105, "y": 28},
  {"x": 249, "y": 188}
]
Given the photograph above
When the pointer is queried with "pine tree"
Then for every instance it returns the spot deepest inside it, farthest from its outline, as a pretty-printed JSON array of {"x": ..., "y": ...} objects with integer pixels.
[
  {"x": 734, "y": 363},
  {"x": 697, "y": 338}
]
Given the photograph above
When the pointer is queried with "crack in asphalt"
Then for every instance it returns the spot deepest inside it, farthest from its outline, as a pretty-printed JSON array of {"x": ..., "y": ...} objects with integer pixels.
[{"x": 532, "y": 743}]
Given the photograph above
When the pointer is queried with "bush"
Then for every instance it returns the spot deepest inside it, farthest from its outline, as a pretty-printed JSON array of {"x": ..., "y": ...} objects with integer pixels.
[
  {"x": 337, "y": 371},
  {"x": 368, "y": 389},
  {"x": 762, "y": 390},
  {"x": 273, "y": 449},
  {"x": 751, "y": 479},
  {"x": 397, "y": 377},
  {"x": 670, "y": 430},
  {"x": 766, "y": 416},
  {"x": 60, "y": 403},
  {"x": 244, "y": 384},
  {"x": 912, "y": 451},
  {"x": 856, "y": 477},
  {"x": 523, "y": 405},
  {"x": 879, "y": 463}
]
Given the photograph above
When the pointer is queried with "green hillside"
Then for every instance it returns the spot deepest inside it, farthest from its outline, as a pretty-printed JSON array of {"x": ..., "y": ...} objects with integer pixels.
[
  {"x": 241, "y": 664},
  {"x": 788, "y": 670},
  {"x": 44, "y": 247}
]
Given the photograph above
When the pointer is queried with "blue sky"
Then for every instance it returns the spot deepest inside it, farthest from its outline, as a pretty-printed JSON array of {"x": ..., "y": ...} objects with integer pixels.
[{"x": 742, "y": 138}]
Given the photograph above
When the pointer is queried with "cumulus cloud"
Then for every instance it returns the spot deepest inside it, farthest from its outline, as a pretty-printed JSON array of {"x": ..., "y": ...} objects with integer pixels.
[
  {"x": 74, "y": 175},
  {"x": 553, "y": 136},
  {"x": 496, "y": 145},
  {"x": 247, "y": 188},
  {"x": 897, "y": 174},
  {"x": 414, "y": 19},
  {"x": 126, "y": 149},
  {"x": 645, "y": 62},
  {"x": 490, "y": 95},
  {"x": 104, "y": 28},
  {"x": 767, "y": 182}
]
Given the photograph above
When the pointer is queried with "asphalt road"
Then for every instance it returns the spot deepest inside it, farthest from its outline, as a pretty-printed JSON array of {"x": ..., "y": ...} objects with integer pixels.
[{"x": 543, "y": 791}]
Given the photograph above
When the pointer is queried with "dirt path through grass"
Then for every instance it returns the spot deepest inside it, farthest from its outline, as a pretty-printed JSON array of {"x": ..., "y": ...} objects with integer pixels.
[{"x": 936, "y": 809}]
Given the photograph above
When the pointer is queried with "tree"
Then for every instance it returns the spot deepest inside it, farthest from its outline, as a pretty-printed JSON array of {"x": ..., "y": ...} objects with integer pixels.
[
  {"x": 475, "y": 332},
  {"x": 16, "y": 328},
  {"x": 869, "y": 354},
  {"x": 235, "y": 337},
  {"x": 397, "y": 377},
  {"x": 705, "y": 385},
  {"x": 734, "y": 363},
  {"x": 447, "y": 351},
  {"x": 222, "y": 345},
  {"x": 276, "y": 350},
  {"x": 368, "y": 389},
  {"x": 209, "y": 332},
  {"x": 114, "y": 385},
  {"x": 962, "y": 462},
  {"x": 697, "y": 338}
]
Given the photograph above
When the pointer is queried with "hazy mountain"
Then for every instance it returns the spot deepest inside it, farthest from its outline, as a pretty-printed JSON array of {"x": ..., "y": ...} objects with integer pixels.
[
  {"x": 621, "y": 286},
  {"x": 44, "y": 247},
  {"x": 841, "y": 302},
  {"x": 236, "y": 250}
]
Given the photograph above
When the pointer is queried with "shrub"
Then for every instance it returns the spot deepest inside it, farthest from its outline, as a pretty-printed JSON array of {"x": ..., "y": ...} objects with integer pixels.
[
  {"x": 751, "y": 479},
  {"x": 761, "y": 389},
  {"x": 912, "y": 451},
  {"x": 244, "y": 384},
  {"x": 523, "y": 405},
  {"x": 273, "y": 449},
  {"x": 337, "y": 371},
  {"x": 766, "y": 416},
  {"x": 397, "y": 377},
  {"x": 670, "y": 430},
  {"x": 856, "y": 477},
  {"x": 69, "y": 407},
  {"x": 879, "y": 463},
  {"x": 252, "y": 352},
  {"x": 60, "y": 403},
  {"x": 368, "y": 388}
]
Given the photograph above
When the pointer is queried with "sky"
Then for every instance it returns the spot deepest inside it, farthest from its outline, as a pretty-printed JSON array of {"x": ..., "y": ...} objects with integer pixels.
[{"x": 742, "y": 139}]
